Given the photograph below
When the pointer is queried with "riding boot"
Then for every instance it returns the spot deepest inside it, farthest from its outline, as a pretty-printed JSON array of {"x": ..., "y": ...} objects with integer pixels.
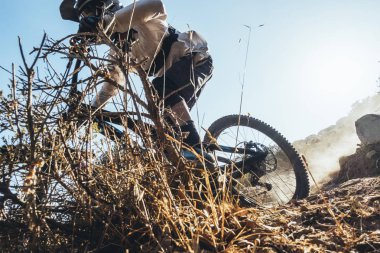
[{"x": 193, "y": 140}]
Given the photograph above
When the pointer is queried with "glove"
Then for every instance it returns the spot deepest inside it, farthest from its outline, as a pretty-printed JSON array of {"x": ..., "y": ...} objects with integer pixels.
[{"x": 88, "y": 24}]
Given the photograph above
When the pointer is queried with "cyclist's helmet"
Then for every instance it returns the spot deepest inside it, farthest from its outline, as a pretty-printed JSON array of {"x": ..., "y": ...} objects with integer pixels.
[{"x": 96, "y": 7}]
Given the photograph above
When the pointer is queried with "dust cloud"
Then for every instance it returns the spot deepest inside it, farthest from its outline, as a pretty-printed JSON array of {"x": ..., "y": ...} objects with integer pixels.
[{"x": 323, "y": 150}]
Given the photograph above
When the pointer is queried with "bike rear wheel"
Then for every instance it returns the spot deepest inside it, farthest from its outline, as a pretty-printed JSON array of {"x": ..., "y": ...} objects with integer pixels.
[{"x": 283, "y": 175}]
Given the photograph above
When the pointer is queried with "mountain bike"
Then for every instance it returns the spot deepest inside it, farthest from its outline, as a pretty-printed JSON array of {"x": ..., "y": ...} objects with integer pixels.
[
  {"x": 260, "y": 164},
  {"x": 264, "y": 168}
]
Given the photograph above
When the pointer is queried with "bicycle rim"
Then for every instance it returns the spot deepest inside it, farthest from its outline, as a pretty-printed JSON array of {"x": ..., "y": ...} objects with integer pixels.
[{"x": 276, "y": 180}]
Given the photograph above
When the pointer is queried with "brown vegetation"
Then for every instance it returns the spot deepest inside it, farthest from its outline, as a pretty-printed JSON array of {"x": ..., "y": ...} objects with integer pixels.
[{"x": 67, "y": 189}]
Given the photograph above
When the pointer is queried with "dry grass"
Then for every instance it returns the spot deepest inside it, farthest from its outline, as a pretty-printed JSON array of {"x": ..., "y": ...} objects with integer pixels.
[{"x": 65, "y": 188}]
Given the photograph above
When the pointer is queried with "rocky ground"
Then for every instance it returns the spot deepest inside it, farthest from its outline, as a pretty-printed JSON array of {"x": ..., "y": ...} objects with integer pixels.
[
  {"x": 342, "y": 215},
  {"x": 343, "y": 212},
  {"x": 345, "y": 218}
]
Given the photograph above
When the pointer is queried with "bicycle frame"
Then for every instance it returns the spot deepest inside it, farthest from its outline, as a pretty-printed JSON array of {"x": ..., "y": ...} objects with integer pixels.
[{"x": 252, "y": 153}]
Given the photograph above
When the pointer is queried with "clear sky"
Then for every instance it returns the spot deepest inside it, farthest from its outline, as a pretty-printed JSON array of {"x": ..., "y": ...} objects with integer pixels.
[{"x": 305, "y": 67}]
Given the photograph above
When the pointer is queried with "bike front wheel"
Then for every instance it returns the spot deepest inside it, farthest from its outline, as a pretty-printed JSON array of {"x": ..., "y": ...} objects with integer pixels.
[{"x": 283, "y": 175}]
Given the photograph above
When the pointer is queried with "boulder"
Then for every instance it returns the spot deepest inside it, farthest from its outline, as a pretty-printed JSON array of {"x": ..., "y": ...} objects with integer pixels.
[
  {"x": 364, "y": 163},
  {"x": 368, "y": 129}
]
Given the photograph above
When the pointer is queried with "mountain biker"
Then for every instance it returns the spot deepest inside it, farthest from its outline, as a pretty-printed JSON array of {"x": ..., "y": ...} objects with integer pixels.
[{"x": 179, "y": 62}]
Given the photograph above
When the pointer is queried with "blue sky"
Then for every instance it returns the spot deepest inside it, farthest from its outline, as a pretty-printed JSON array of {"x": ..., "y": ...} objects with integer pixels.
[{"x": 305, "y": 67}]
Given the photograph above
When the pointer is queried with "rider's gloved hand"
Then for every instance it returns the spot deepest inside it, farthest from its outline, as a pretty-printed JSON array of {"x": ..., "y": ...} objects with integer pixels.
[{"x": 88, "y": 24}]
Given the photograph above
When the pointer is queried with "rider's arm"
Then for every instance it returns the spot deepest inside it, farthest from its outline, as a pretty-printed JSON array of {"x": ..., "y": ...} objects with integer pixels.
[{"x": 138, "y": 13}]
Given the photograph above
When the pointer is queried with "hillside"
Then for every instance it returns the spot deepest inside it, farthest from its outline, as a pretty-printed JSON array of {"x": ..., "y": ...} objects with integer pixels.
[{"x": 324, "y": 149}]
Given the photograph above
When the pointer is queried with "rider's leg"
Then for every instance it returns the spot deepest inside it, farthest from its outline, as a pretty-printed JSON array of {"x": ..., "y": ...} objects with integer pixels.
[
  {"x": 182, "y": 115},
  {"x": 109, "y": 90},
  {"x": 179, "y": 88}
]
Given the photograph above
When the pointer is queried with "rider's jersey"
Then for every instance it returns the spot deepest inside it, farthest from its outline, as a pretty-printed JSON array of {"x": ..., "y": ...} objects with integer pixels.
[{"x": 149, "y": 19}]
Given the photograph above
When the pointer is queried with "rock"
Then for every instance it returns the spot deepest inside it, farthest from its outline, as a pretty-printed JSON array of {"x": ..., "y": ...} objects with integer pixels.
[
  {"x": 363, "y": 163},
  {"x": 368, "y": 129}
]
